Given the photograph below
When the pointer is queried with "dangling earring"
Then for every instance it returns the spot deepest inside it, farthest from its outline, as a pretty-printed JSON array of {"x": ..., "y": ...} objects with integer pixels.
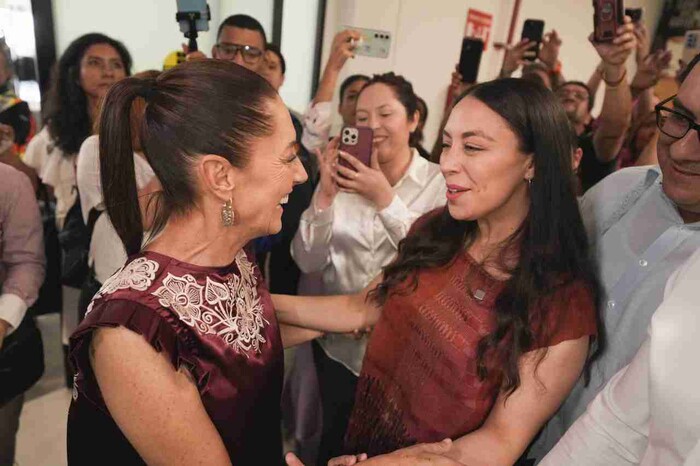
[
  {"x": 227, "y": 214},
  {"x": 529, "y": 182}
]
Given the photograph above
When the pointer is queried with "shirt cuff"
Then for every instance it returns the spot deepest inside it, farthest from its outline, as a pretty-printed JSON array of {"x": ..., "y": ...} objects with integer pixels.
[
  {"x": 12, "y": 310},
  {"x": 321, "y": 217},
  {"x": 394, "y": 211}
]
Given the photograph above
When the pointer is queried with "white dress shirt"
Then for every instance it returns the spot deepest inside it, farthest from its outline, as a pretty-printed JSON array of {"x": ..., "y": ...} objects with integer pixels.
[
  {"x": 351, "y": 241},
  {"x": 317, "y": 122},
  {"x": 107, "y": 252},
  {"x": 649, "y": 412}
]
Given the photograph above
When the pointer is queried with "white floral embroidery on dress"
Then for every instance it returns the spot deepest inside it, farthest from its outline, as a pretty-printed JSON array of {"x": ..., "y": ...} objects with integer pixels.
[
  {"x": 137, "y": 275},
  {"x": 231, "y": 310}
]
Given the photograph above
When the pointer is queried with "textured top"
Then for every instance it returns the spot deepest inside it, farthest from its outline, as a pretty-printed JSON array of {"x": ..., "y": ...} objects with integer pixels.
[
  {"x": 216, "y": 322},
  {"x": 419, "y": 381}
]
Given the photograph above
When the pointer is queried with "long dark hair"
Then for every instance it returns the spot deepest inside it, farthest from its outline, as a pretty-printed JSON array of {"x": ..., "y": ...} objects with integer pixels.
[
  {"x": 552, "y": 244},
  {"x": 202, "y": 107},
  {"x": 66, "y": 106}
]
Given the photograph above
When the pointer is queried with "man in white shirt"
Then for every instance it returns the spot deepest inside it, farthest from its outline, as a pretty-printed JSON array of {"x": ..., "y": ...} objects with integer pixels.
[
  {"x": 649, "y": 412},
  {"x": 643, "y": 223}
]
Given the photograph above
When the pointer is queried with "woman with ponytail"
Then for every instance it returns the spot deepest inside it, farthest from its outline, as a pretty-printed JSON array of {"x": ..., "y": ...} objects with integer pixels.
[{"x": 179, "y": 359}]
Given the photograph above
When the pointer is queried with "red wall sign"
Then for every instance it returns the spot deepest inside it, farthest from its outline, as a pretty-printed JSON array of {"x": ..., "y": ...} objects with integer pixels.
[{"x": 479, "y": 25}]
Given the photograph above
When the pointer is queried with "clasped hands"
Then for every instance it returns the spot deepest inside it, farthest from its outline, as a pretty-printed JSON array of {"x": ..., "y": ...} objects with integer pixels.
[{"x": 424, "y": 454}]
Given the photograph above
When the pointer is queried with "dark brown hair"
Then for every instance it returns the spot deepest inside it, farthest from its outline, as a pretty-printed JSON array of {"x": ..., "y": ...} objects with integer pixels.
[
  {"x": 551, "y": 243},
  {"x": 66, "y": 111},
  {"x": 200, "y": 107}
]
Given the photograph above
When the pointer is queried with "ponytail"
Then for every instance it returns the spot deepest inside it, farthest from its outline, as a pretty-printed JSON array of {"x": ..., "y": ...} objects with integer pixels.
[{"x": 117, "y": 172}]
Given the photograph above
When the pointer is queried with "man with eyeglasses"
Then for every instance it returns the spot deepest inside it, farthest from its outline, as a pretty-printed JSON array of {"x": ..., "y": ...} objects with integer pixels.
[
  {"x": 643, "y": 223},
  {"x": 241, "y": 39}
]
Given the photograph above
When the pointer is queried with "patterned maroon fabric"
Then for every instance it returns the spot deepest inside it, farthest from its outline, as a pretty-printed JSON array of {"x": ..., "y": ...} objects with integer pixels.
[
  {"x": 419, "y": 381},
  {"x": 218, "y": 323}
]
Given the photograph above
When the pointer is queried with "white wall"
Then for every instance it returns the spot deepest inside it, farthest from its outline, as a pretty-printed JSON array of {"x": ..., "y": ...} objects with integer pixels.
[
  {"x": 299, "y": 19},
  {"x": 258, "y": 9},
  {"x": 147, "y": 28}
]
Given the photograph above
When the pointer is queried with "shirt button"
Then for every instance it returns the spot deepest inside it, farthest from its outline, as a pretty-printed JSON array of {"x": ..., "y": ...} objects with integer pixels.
[
  {"x": 643, "y": 263},
  {"x": 611, "y": 304}
]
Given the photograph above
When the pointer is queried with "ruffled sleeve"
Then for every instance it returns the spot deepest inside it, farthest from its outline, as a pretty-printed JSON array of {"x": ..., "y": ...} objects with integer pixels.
[{"x": 162, "y": 331}]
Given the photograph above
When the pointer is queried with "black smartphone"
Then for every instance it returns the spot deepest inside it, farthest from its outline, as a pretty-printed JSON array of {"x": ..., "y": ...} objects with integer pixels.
[
  {"x": 470, "y": 59},
  {"x": 635, "y": 13},
  {"x": 533, "y": 29}
]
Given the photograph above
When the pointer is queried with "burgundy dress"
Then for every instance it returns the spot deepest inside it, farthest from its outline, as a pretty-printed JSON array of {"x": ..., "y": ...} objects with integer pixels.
[{"x": 218, "y": 323}]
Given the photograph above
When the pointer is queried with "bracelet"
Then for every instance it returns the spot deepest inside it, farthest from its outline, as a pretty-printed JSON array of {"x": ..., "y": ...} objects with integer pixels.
[{"x": 616, "y": 84}]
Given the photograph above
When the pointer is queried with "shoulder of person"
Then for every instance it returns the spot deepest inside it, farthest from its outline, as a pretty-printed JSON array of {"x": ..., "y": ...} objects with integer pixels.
[
  {"x": 13, "y": 181},
  {"x": 38, "y": 149},
  {"x": 618, "y": 186}
]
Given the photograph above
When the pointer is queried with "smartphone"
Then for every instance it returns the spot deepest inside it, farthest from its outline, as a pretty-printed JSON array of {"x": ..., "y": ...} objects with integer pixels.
[
  {"x": 635, "y": 13},
  {"x": 356, "y": 141},
  {"x": 691, "y": 45},
  {"x": 372, "y": 42},
  {"x": 608, "y": 15},
  {"x": 185, "y": 7},
  {"x": 470, "y": 59},
  {"x": 533, "y": 29}
]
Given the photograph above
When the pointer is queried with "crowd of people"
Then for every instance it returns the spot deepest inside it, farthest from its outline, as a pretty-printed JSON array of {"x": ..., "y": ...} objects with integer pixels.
[{"x": 521, "y": 294}]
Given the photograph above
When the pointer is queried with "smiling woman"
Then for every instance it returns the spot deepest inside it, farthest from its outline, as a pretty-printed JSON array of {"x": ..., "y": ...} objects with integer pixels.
[
  {"x": 485, "y": 316},
  {"x": 187, "y": 321},
  {"x": 358, "y": 216}
]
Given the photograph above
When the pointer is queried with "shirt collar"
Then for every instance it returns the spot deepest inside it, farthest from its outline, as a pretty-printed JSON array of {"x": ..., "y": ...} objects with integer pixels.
[{"x": 417, "y": 172}]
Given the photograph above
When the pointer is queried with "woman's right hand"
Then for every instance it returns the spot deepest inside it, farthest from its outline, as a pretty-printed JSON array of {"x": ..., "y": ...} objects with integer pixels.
[{"x": 327, "y": 186}]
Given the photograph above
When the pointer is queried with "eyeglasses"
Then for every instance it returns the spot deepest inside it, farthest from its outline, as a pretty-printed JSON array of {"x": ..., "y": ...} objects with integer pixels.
[
  {"x": 251, "y": 55},
  {"x": 672, "y": 122}
]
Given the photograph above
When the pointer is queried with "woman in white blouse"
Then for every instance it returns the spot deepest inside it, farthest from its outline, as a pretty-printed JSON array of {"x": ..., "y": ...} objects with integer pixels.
[
  {"x": 649, "y": 412},
  {"x": 353, "y": 228}
]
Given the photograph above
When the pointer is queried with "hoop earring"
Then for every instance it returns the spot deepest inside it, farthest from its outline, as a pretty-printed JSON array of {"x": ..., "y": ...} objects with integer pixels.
[{"x": 227, "y": 214}]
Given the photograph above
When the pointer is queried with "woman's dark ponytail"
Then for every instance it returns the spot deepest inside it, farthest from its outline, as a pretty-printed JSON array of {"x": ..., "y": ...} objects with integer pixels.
[{"x": 117, "y": 160}]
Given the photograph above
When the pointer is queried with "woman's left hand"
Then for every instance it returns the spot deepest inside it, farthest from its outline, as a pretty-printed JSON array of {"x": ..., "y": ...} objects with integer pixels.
[{"x": 368, "y": 182}]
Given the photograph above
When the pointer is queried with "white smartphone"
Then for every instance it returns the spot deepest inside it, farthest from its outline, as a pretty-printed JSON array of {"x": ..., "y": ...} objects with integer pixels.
[
  {"x": 691, "y": 45},
  {"x": 372, "y": 43}
]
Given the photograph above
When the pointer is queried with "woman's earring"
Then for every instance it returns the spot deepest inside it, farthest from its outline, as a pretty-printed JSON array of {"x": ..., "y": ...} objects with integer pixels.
[
  {"x": 227, "y": 215},
  {"x": 529, "y": 182}
]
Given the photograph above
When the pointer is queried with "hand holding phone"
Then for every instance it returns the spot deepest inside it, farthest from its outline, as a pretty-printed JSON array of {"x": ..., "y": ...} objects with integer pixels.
[
  {"x": 470, "y": 59},
  {"x": 371, "y": 42},
  {"x": 532, "y": 31},
  {"x": 356, "y": 141},
  {"x": 358, "y": 172},
  {"x": 608, "y": 16}
]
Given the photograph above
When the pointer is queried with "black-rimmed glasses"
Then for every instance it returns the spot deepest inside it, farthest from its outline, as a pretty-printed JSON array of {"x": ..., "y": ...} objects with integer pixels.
[
  {"x": 672, "y": 122},
  {"x": 251, "y": 55}
]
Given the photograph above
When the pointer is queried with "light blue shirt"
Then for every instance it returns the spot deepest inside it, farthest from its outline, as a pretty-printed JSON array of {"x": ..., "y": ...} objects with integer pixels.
[{"x": 639, "y": 239}]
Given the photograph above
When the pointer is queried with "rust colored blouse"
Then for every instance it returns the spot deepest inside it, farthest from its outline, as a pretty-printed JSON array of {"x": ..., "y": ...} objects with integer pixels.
[{"x": 419, "y": 380}]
